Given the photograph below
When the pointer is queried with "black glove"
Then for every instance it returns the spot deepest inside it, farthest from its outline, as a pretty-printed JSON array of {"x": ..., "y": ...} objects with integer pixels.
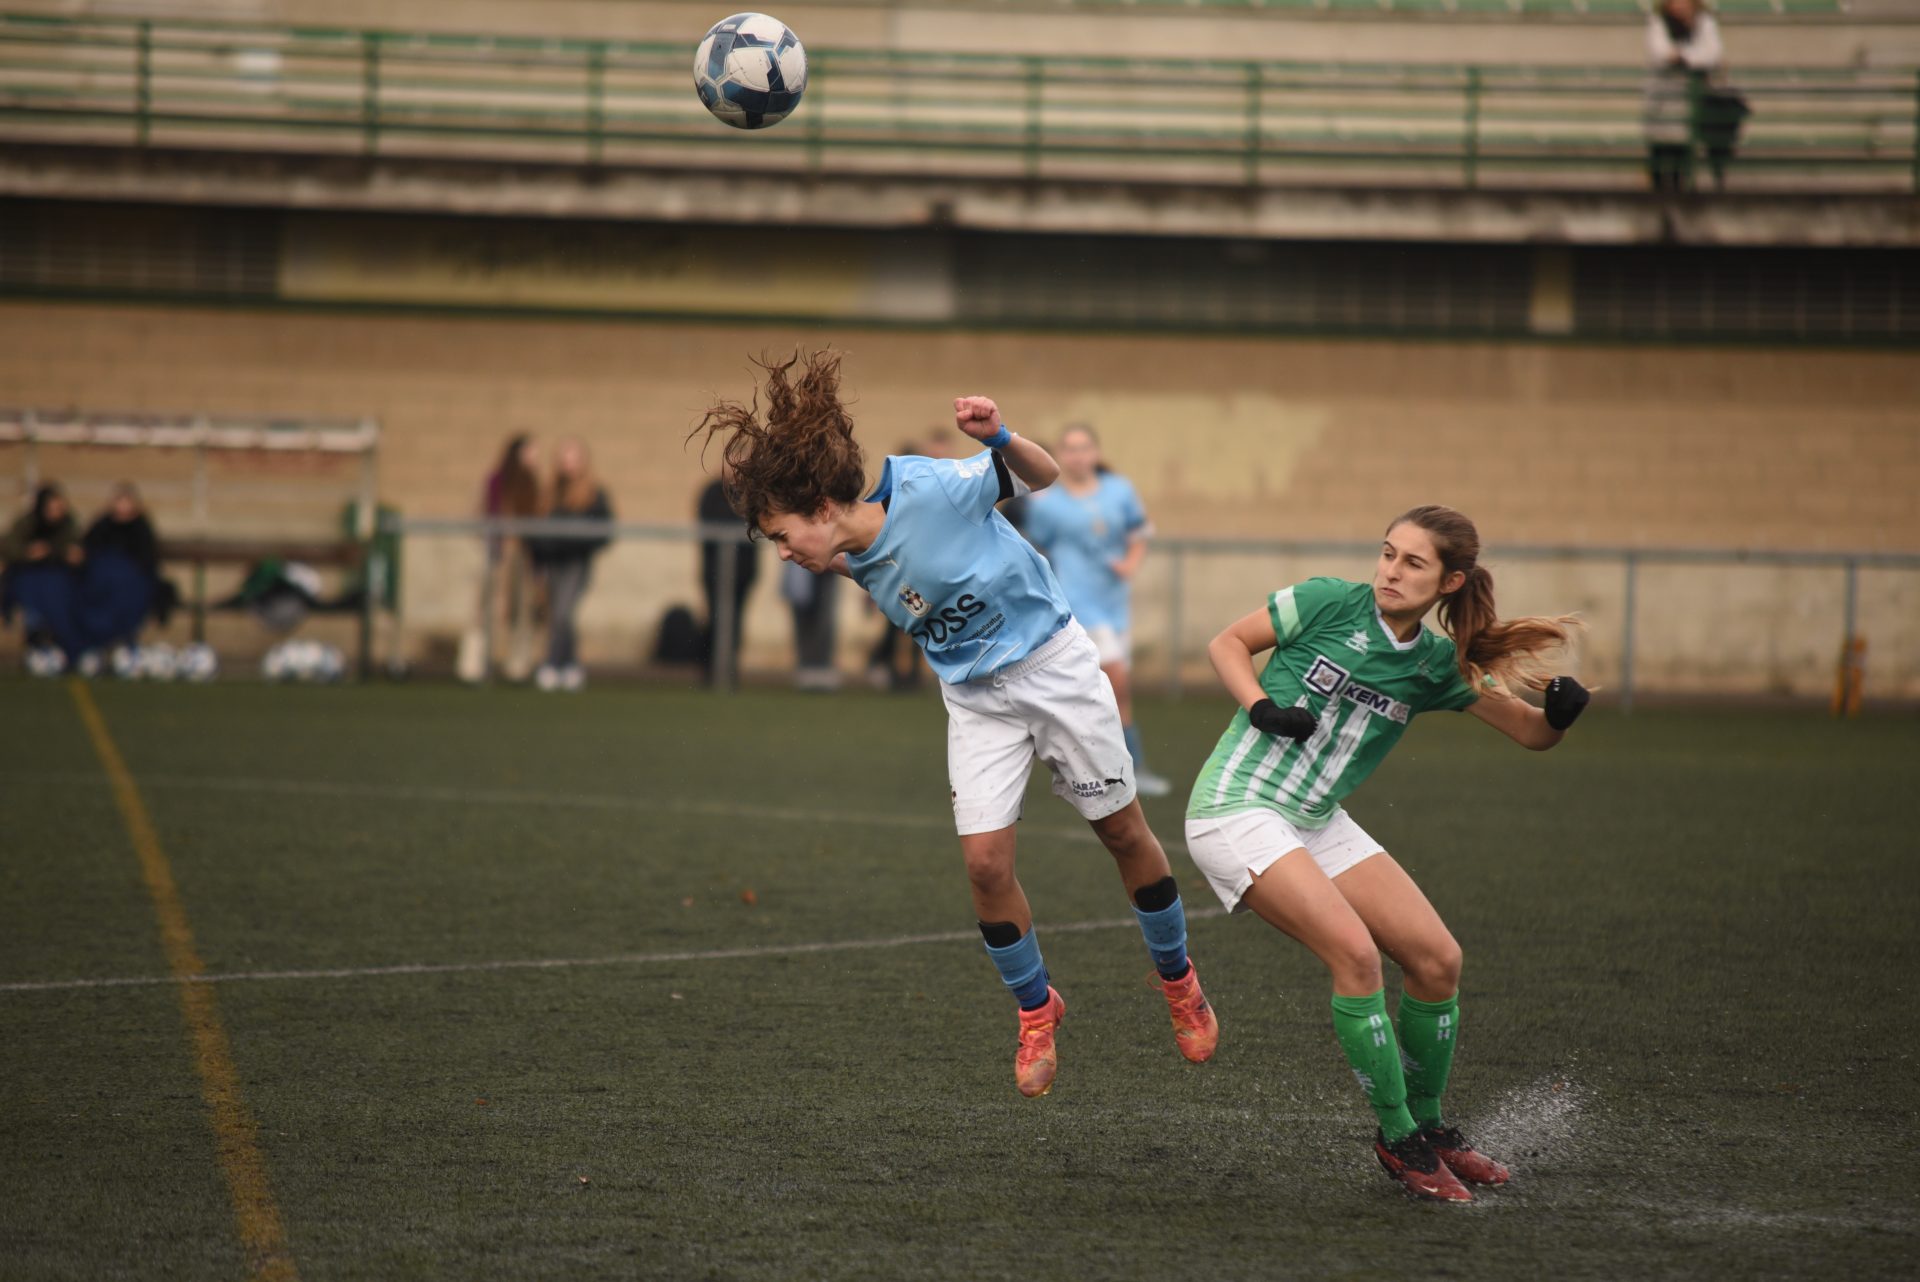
[
  {"x": 1289, "y": 723},
  {"x": 1566, "y": 700}
]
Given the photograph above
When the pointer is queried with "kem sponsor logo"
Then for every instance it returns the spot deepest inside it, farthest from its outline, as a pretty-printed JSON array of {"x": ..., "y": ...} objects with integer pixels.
[{"x": 1330, "y": 679}]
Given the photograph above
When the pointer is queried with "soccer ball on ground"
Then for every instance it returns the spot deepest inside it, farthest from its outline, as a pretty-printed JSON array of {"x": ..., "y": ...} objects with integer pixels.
[
  {"x": 197, "y": 662},
  {"x": 750, "y": 71},
  {"x": 46, "y": 661},
  {"x": 159, "y": 662}
]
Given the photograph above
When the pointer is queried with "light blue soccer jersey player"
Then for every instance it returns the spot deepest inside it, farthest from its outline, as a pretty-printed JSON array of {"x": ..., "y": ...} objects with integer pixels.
[
  {"x": 1020, "y": 677},
  {"x": 1094, "y": 530}
]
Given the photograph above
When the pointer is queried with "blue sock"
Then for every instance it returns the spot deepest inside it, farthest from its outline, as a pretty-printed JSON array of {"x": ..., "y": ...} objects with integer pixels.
[
  {"x": 1134, "y": 749},
  {"x": 1166, "y": 934},
  {"x": 1022, "y": 970}
]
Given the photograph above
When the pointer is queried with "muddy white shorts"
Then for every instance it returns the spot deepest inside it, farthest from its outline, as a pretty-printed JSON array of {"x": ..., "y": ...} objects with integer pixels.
[
  {"x": 1234, "y": 849},
  {"x": 1114, "y": 645},
  {"x": 1055, "y": 705}
]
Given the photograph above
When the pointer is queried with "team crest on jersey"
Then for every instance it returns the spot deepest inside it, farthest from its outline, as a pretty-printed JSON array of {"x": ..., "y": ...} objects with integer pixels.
[
  {"x": 1358, "y": 641},
  {"x": 1325, "y": 677},
  {"x": 915, "y": 603}
]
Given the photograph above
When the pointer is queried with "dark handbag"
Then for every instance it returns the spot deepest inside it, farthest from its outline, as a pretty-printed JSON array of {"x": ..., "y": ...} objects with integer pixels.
[{"x": 1722, "y": 112}]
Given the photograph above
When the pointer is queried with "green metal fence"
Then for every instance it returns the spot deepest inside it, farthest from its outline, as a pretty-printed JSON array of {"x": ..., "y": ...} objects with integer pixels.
[{"x": 594, "y": 102}]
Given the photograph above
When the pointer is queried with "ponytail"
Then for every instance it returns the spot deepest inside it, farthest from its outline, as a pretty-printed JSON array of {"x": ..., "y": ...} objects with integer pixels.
[{"x": 1489, "y": 649}]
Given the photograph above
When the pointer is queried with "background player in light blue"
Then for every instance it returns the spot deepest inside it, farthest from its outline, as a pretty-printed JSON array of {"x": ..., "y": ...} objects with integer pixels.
[
  {"x": 1020, "y": 678},
  {"x": 1094, "y": 530}
]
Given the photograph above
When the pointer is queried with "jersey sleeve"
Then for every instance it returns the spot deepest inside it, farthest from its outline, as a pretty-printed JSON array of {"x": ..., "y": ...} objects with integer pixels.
[
  {"x": 975, "y": 486},
  {"x": 1294, "y": 610},
  {"x": 1451, "y": 692}
]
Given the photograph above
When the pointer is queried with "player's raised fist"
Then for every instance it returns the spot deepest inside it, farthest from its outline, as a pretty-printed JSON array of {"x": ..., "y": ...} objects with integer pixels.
[{"x": 977, "y": 416}]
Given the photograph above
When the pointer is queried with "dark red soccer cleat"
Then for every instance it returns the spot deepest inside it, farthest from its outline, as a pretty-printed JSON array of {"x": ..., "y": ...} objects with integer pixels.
[
  {"x": 1419, "y": 1169},
  {"x": 1462, "y": 1158}
]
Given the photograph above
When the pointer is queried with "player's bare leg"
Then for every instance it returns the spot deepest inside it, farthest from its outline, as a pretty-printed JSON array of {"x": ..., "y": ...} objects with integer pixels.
[
  {"x": 1406, "y": 927},
  {"x": 1142, "y": 863},
  {"x": 1294, "y": 895},
  {"x": 1006, "y": 923}
]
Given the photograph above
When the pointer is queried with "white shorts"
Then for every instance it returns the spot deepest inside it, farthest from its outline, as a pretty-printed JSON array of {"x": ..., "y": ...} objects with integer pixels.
[
  {"x": 1234, "y": 849},
  {"x": 1056, "y": 705},
  {"x": 1114, "y": 646}
]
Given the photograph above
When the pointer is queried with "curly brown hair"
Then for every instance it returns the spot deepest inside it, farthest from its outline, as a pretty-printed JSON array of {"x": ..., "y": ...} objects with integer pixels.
[{"x": 801, "y": 454}]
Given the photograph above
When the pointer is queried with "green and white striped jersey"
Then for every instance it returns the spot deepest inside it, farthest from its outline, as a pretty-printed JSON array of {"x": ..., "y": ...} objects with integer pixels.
[{"x": 1337, "y": 659}]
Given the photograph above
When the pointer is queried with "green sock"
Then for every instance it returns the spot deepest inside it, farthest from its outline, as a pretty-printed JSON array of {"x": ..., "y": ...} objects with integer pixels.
[
  {"x": 1367, "y": 1037},
  {"x": 1427, "y": 1033}
]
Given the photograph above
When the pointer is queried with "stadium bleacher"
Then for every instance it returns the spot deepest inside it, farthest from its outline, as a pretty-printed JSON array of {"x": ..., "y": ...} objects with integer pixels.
[{"x": 381, "y": 91}]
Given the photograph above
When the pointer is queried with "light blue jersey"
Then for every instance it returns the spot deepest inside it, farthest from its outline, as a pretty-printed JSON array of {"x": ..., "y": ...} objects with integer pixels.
[
  {"x": 950, "y": 571},
  {"x": 1083, "y": 535}
]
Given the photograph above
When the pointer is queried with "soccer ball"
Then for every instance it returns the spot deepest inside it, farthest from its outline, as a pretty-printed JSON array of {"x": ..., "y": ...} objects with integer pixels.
[
  {"x": 325, "y": 663},
  {"x": 282, "y": 662},
  {"x": 46, "y": 661},
  {"x": 158, "y": 661},
  {"x": 750, "y": 71},
  {"x": 197, "y": 662}
]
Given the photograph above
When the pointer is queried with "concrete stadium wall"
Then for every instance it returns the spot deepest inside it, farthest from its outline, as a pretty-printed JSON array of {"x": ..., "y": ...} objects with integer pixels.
[
  {"x": 1882, "y": 33},
  {"x": 1277, "y": 438}
]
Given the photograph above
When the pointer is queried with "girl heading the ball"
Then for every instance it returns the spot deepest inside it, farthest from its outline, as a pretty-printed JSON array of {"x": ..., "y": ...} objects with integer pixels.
[
  {"x": 1020, "y": 678},
  {"x": 1352, "y": 663}
]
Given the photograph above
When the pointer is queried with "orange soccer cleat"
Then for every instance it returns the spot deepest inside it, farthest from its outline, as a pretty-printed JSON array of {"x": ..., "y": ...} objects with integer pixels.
[
  {"x": 1418, "y": 1169},
  {"x": 1034, "y": 1063},
  {"x": 1462, "y": 1158},
  {"x": 1196, "y": 1030}
]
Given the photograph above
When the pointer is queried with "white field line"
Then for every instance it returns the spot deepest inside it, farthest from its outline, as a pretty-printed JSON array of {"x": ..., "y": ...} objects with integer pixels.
[
  {"x": 568, "y": 963},
  {"x": 572, "y": 800}
]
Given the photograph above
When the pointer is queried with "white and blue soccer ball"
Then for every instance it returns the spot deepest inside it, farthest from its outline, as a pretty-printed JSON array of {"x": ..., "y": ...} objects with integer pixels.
[
  {"x": 328, "y": 664},
  {"x": 159, "y": 661},
  {"x": 282, "y": 662},
  {"x": 750, "y": 71},
  {"x": 197, "y": 662},
  {"x": 298, "y": 660},
  {"x": 46, "y": 661}
]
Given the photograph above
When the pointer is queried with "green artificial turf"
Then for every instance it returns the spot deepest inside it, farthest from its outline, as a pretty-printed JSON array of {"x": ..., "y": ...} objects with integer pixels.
[{"x": 1688, "y": 1027}]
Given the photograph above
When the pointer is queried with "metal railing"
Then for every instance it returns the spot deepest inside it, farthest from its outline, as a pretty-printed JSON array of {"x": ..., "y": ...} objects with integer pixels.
[
  {"x": 1178, "y": 553},
  {"x": 1631, "y": 561},
  {"x": 597, "y": 102},
  {"x": 727, "y": 535}
]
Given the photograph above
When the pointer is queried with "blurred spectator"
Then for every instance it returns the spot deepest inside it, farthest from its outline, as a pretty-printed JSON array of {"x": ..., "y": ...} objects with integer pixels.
[
  {"x": 1093, "y": 530},
  {"x": 124, "y": 528},
  {"x": 123, "y": 570},
  {"x": 714, "y": 509},
  {"x": 506, "y": 587},
  {"x": 1683, "y": 48},
  {"x": 45, "y": 534},
  {"x": 811, "y": 597},
  {"x": 39, "y": 556},
  {"x": 566, "y": 563}
]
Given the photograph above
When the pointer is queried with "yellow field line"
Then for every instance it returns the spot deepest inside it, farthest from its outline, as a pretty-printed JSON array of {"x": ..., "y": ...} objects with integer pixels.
[{"x": 236, "y": 1135}]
